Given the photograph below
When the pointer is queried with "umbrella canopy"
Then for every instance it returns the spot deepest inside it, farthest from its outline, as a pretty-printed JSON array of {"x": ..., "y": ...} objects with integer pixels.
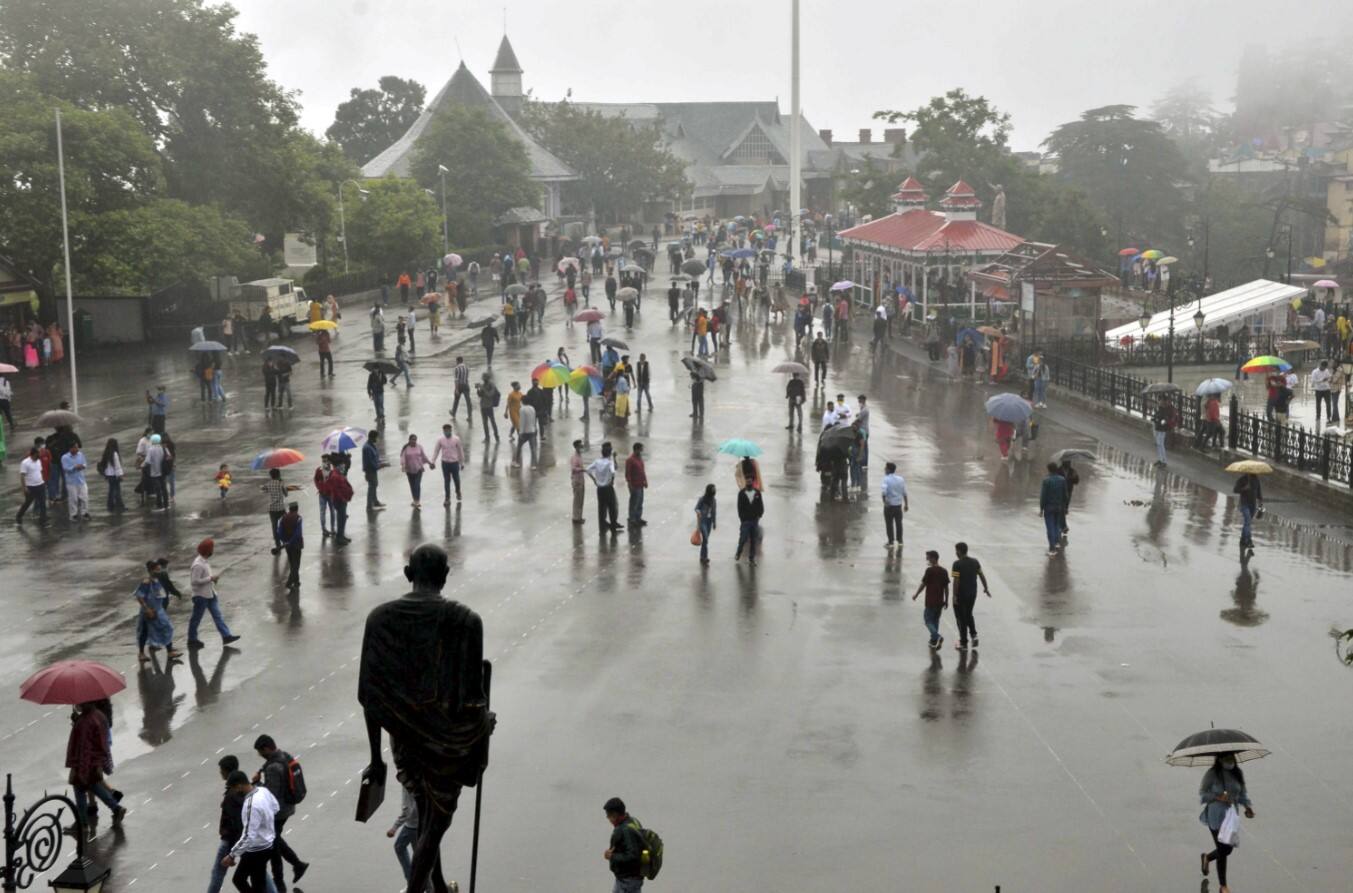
[
  {"x": 1166, "y": 261},
  {"x": 1326, "y": 283},
  {"x": 1160, "y": 387},
  {"x": 843, "y": 285},
  {"x": 740, "y": 253},
  {"x": 279, "y": 458},
  {"x": 1213, "y": 386},
  {"x": 699, "y": 367},
  {"x": 591, "y": 314},
  {"x": 58, "y": 418},
  {"x": 1298, "y": 345},
  {"x": 1314, "y": 262},
  {"x": 791, "y": 368},
  {"x": 585, "y": 381},
  {"x": 1266, "y": 364},
  {"x": 837, "y": 437},
  {"x": 428, "y": 300},
  {"x": 1153, "y": 254},
  {"x": 1201, "y": 748},
  {"x": 969, "y": 334},
  {"x": 681, "y": 277},
  {"x": 516, "y": 288},
  {"x": 7, "y": 369},
  {"x": 1128, "y": 252},
  {"x": 385, "y": 366},
  {"x": 1064, "y": 455},
  {"x": 340, "y": 440},
  {"x": 283, "y": 353},
  {"x": 693, "y": 267},
  {"x": 554, "y": 377},
  {"x": 452, "y": 260},
  {"x": 567, "y": 262},
  {"x": 628, "y": 294},
  {"x": 591, "y": 240},
  {"x": 209, "y": 347},
  {"x": 1250, "y": 466},
  {"x": 72, "y": 682},
  {"x": 992, "y": 331},
  {"x": 638, "y": 243},
  {"x": 480, "y": 323},
  {"x": 328, "y": 325},
  {"x": 616, "y": 343},
  {"x": 1010, "y": 408},
  {"x": 739, "y": 447}
]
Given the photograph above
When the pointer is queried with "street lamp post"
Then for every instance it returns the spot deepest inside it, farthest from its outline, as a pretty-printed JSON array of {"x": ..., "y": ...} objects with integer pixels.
[
  {"x": 343, "y": 220},
  {"x": 65, "y": 241},
  {"x": 830, "y": 240},
  {"x": 33, "y": 844},
  {"x": 446, "y": 225}
]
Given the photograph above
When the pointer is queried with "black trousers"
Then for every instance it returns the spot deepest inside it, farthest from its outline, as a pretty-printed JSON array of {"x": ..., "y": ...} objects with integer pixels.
[
  {"x": 293, "y": 564},
  {"x": 963, "y": 617},
  {"x": 698, "y": 405},
  {"x": 455, "y": 404},
  {"x": 795, "y": 407},
  {"x": 280, "y": 850},
  {"x": 35, "y": 496},
  {"x": 251, "y": 871},
  {"x": 1219, "y": 856},
  {"x": 326, "y": 359},
  {"x": 892, "y": 522},
  {"x": 819, "y": 371},
  {"x": 608, "y": 509}
]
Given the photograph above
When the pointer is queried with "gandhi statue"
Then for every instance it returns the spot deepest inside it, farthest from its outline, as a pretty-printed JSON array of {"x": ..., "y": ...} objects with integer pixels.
[{"x": 422, "y": 681}]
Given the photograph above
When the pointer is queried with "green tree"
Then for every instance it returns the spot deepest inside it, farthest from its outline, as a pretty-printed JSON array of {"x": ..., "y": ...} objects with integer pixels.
[
  {"x": 959, "y": 136},
  {"x": 394, "y": 227},
  {"x": 1043, "y": 209},
  {"x": 370, "y": 120},
  {"x": 1128, "y": 168},
  {"x": 621, "y": 165},
  {"x": 870, "y": 189},
  {"x": 487, "y": 171}
]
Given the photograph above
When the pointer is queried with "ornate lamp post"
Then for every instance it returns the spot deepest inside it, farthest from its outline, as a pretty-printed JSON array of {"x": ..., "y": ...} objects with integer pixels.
[
  {"x": 33, "y": 845},
  {"x": 1144, "y": 321}
]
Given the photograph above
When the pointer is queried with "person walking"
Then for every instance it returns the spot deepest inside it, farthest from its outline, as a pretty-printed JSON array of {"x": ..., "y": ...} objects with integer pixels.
[
  {"x": 153, "y": 626},
  {"x": 34, "y": 485},
  {"x": 258, "y": 835},
  {"x": 412, "y": 459},
  {"x": 935, "y": 584},
  {"x": 637, "y": 482},
  {"x": 513, "y": 410},
  {"x": 404, "y": 282},
  {"x": 324, "y": 345},
  {"x": 402, "y": 362},
  {"x": 77, "y": 488},
  {"x": 156, "y": 458},
  {"x": 110, "y": 467},
  {"x": 88, "y": 757},
  {"x": 966, "y": 572},
  {"x": 577, "y": 478},
  {"x": 1250, "y": 493},
  {"x": 488, "y": 337},
  {"x": 159, "y": 408},
  {"x": 1160, "y": 428},
  {"x": 460, "y": 375},
  {"x": 451, "y": 453},
  {"x": 594, "y": 335},
  {"x": 488, "y": 403},
  {"x": 1222, "y": 789},
  {"x": 1320, "y": 383},
  {"x": 750, "y": 510},
  {"x": 276, "y": 775},
  {"x": 796, "y": 393},
  {"x": 289, "y": 534},
  {"x": 602, "y": 473},
  {"x": 1040, "y": 379},
  {"x": 203, "y": 585},
  {"x": 706, "y": 519},
  {"x": 277, "y": 492},
  {"x": 410, "y": 325},
  {"x": 1052, "y": 502},
  {"x": 697, "y": 397},
  {"x": 625, "y": 855},
  {"x": 375, "y": 389},
  {"x": 405, "y": 832},
  {"x": 643, "y": 379},
  {"x": 371, "y": 465},
  {"x": 819, "y": 353},
  {"x": 528, "y": 430},
  {"x": 895, "y": 502},
  {"x": 230, "y": 827}
]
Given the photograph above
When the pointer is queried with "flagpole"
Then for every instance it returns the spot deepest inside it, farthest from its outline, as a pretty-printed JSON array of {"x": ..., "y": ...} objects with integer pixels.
[
  {"x": 795, "y": 152},
  {"x": 65, "y": 238}
]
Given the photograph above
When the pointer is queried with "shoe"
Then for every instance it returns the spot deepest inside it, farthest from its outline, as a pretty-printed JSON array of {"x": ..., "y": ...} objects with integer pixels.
[
  {"x": 298, "y": 871},
  {"x": 1206, "y": 864},
  {"x": 640, "y": 523},
  {"x": 446, "y": 502},
  {"x": 277, "y": 550},
  {"x": 974, "y": 642},
  {"x": 229, "y": 640},
  {"x": 961, "y": 646},
  {"x": 1052, "y": 553},
  {"x": 616, "y": 528},
  {"x": 341, "y": 541},
  {"x": 579, "y": 521},
  {"x": 378, "y": 507},
  {"x": 195, "y": 643},
  {"x": 457, "y": 497},
  {"x": 889, "y": 545},
  {"x": 324, "y": 534},
  {"x": 118, "y": 815}
]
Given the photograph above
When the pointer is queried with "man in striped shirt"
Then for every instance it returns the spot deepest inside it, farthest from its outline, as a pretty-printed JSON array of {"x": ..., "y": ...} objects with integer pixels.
[{"x": 461, "y": 374}]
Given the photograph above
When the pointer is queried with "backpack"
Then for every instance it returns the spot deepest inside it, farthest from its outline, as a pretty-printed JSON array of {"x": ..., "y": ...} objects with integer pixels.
[
  {"x": 651, "y": 860},
  {"x": 294, "y": 791}
]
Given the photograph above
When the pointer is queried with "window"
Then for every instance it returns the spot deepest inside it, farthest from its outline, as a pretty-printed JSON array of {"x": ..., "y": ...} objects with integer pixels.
[{"x": 755, "y": 148}]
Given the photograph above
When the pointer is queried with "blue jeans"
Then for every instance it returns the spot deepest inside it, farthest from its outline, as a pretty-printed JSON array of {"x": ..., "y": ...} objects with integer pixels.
[
  {"x": 451, "y": 472},
  {"x": 218, "y": 871},
  {"x": 115, "y": 503},
  {"x": 932, "y": 623},
  {"x": 628, "y": 885},
  {"x": 1160, "y": 446},
  {"x": 1040, "y": 390},
  {"x": 636, "y": 504},
  {"x": 324, "y": 508},
  {"x": 1246, "y": 520},
  {"x": 378, "y": 398},
  {"x": 99, "y": 790},
  {"x": 1053, "y": 522},
  {"x": 749, "y": 534},
  {"x": 404, "y": 844},
  {"x": 201, "y": 605},
  {"x": 705, "y": 528}
]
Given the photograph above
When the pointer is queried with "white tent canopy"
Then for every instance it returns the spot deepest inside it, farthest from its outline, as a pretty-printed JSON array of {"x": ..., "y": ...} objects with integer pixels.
[{"x": 1241, "y": 304}]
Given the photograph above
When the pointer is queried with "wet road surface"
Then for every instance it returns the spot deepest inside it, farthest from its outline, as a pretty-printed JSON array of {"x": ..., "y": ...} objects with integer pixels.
[{"x": 783, "y": 727}]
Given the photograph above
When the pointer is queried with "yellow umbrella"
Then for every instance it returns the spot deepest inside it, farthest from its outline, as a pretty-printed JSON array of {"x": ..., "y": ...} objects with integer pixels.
[
  {"x": 1250, "y": 466},
  {"x": 324, "y": 325},
  {"x": 1314, "y": 262},
  {"x": 1164, "y": 261}
]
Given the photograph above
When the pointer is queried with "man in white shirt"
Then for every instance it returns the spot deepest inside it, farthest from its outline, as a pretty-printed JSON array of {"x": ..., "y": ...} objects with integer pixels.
[
  {"x": 203, "y": 584},
  {"x": 6, "y": 394},
  {"x": 829, "y": 417},
  {"x": 35, "y": 488},
  {"x": 254, "y": 848},
  {"x": 527, "y": 433},
  {"x": 77, "y": 488},
  {"x": 894, "y": 503},
  {"x": 602, "y": 473},
  {"x": 410, "y": 322},
  {"x": 1320, "y": 383}
]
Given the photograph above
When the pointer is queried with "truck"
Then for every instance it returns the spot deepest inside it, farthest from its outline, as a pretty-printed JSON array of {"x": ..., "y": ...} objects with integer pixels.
[{"x": 286, "y": 304}]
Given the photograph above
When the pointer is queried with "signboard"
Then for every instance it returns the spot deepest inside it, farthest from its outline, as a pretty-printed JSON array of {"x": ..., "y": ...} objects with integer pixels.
[
  {"x": 1026, "y": 297},
  {"x": 297, "y": 252}
]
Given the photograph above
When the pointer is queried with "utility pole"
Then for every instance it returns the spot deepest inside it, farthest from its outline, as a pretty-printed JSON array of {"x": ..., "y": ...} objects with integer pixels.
[
  {"x": 446, "y": 225},
  {"x": 795, "y": 162},
  {"x": 65, "y": 239}
]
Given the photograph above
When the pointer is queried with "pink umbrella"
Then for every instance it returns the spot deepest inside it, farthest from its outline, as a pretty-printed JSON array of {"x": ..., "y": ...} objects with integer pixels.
[
  {"x": 72, "y": 682},
  {"x": 7, "y": 369},
  {"x": 567, "y": 262},
  {"x": 591, "y": 314},
  {"x": 1327, "y": 283}
]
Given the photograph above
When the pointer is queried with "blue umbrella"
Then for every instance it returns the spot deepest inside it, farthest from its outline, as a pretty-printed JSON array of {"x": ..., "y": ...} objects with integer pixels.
[
  {"x": 1010, "y": 408},
  {"x": 341, "y": 440},
  {"x": 740, "y": 253},
  {"x": 969, "y": 334},
  {"x": 739, "y": 447}
]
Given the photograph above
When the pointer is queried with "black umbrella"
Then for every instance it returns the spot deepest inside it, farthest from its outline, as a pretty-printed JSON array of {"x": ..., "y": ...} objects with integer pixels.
[
  {"x": 1160, "y": 387},
  {"x": 58, "y": 418},
  {"x": 1201, "y": 748},
  {"x": 693, "y": 267},
  {"x": 837, "y": 437},
  {"x": 283, "y": 353},
  {"x": 1073, "y": 453},
  {"x": 699, "y": 367},
  {"x": 385, "y": 366},
  {"x": 616, "y": 343},
  {"x": 480, "y": 323},
  {"x": 638, "y": 243}
]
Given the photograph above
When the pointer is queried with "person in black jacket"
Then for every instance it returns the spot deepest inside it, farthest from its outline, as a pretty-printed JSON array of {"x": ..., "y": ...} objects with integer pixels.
[
  {"x": 819, "y": 351},
  {"x": 231, "y": 825},
  {"x": 796, "y": 392},
  {"x": 643, "y": 378},
  {"x": 750, "y": 510},
  {"x": 626, "y": 852},
  {"x": 273, "y": 775}
]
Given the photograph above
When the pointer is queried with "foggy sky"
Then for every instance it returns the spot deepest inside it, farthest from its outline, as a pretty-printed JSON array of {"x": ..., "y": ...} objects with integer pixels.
[{"x": 1043, "y": 62}]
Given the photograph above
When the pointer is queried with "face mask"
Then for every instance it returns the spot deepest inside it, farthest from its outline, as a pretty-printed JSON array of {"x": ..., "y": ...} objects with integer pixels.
[{"x": 1228, "y": 764}]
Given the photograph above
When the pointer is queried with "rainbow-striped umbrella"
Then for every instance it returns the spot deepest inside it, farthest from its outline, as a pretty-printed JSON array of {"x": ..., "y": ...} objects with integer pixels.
[
  {"x": 551, "y": 375},
  {"x": 585, "y": 380},
  {"x": 1267, "y": 364},
  {"x": 278, "y": 458}
]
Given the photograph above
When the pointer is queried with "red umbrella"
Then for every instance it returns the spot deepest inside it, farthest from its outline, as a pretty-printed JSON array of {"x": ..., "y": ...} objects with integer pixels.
[
  {"x": 72, "y": 682},
  {"x": 1128, "y": 252},
  {"x": 591, "y": 314},
  {"x": 279, "y": 458}
]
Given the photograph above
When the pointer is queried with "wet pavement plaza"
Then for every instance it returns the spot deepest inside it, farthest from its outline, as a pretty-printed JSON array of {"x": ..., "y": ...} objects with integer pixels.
[{"x": 785, "y": 727}]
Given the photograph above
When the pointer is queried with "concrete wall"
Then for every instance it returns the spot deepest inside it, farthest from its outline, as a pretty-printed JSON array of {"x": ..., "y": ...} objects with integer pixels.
[{"x": 116, "y": 320}]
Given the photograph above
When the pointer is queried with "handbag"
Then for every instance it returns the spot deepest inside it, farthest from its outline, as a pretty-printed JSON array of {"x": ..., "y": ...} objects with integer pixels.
[
  {"x": 696, "y": 538},
  {"x": 1229, "y": 833}
]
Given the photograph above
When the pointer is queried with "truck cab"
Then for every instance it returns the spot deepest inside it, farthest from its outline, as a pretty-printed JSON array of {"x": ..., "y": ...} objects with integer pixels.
[{"x": 286, "y": 303}]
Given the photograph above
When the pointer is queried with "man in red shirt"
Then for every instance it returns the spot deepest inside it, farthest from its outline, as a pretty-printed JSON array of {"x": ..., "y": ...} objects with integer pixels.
[
  {"x": 637, "y": 482},
  {"x": 1275, "y": 382},
  {"x": 935, "y": 583}
]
